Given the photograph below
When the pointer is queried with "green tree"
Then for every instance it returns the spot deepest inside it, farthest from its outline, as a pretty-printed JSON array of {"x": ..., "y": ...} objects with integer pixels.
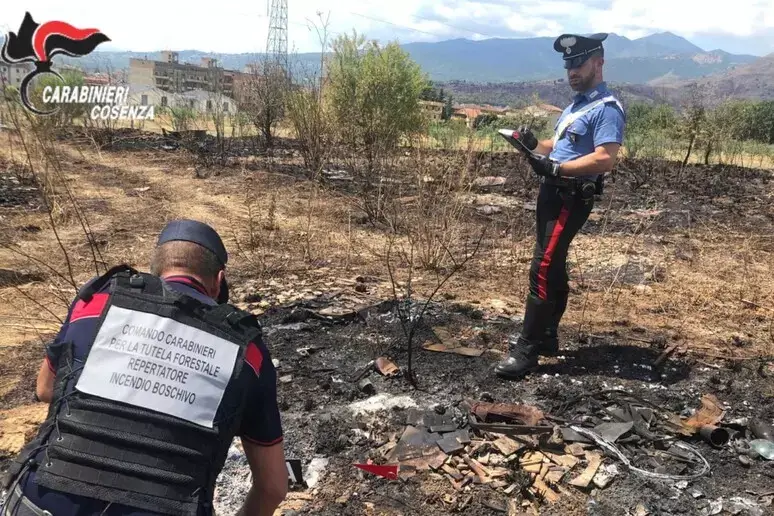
[
  {"x": 375, "y": 93},
  {"x": 638, "y": 120},
  {"x": 638, "y": 116},
  {"x": 724, "y": 126},
  {"x": 264, "y": 99},
  {"x": 432, "y": 93},
  {"x": 662, "y": 116},
  {"x": 484, "y": 120},
  {"x": 448, "y": 109},
  {"x": 309, "y": 117},
  {"x": 182, "y": 117},
  {"x": 66, "y": 112},
  {"x": 308, "y": 109},
  {"x": 758, "y": 120}
]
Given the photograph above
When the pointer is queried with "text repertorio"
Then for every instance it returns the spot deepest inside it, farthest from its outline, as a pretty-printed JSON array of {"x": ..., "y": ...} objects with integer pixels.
[{"x": 159, "y": 363}]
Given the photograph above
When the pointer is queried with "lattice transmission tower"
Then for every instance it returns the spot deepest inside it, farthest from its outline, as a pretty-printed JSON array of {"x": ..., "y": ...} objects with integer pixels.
[{"x": 277, "y": 42}]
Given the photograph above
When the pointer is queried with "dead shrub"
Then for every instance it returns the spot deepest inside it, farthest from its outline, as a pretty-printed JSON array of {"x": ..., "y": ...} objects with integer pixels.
[
  {"x": 258, "y": 238},
  {"x": 311, "y": 124},
  {"x": 437, "y": 222}
]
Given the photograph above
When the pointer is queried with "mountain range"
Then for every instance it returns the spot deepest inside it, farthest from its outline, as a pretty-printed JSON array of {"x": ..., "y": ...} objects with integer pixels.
[
  {"x": 748, "y": 81},
  {"x": 639, "y": 61},
  {"x": 657, "y": 58},
  {"x": 658, "y": 66}
]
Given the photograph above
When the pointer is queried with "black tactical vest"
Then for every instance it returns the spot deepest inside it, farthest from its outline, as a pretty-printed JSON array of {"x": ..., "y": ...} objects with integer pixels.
[{"x": 131, "y": 454}]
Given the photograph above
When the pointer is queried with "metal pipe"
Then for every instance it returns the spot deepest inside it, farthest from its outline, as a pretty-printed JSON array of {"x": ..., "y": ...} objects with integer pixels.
[{"x": 715, "y": 435}]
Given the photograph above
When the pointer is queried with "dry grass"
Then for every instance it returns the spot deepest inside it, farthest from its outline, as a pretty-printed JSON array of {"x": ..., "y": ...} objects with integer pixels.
[
  {"x": 310, "y": 226},
  {"x": 712, "y": 290},
  {"x": 164, "y": 122}
]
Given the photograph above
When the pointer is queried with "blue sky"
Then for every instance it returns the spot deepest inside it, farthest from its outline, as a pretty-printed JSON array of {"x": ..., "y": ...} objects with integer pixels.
[{"x": 742, "y": 26}]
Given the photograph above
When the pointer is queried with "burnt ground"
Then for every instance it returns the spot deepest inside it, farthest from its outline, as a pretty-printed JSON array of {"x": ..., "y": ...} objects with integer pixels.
[
  {"x": 16, "y": 190},
  {"x": 24, "y": 361},
  {"x": 668, "y": 256},
  {"x": 318, "y": 421}
]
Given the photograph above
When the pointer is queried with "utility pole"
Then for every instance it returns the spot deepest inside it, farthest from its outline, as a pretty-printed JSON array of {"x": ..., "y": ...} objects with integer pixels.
[{"x": 277, "y": 42}]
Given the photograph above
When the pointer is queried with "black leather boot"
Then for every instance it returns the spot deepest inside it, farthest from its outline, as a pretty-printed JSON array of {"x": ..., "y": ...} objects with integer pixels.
[
  {"x": 523, "y": 359},
  {"x": 525, "y": 348},
  {"x": 550, "y": 344}
]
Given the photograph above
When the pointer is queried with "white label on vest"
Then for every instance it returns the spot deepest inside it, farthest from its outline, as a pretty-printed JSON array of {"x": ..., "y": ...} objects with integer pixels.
[{"x": 158, "y": 363}]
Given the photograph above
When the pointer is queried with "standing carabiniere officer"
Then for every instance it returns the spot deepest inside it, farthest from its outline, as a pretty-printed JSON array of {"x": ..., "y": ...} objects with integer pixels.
[{"x": 587, "y": 137}]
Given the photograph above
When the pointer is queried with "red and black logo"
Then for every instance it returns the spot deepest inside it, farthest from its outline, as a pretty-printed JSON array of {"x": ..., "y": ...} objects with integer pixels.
[{"x": 39, "y": 43}]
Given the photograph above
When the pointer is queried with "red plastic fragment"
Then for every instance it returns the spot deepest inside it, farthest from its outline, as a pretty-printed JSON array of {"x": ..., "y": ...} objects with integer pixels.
[{"x": 389, "y": 471}]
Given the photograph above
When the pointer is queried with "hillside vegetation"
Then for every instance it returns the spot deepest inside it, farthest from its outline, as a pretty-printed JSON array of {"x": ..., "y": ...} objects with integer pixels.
[{"x": 631, "y": 61}]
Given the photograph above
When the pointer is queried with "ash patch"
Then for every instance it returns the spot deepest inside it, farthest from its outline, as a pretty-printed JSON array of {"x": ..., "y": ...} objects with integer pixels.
[
  {"x": 601, "y": 272},
  {"x": 233, "y": 483},
  {"x": 328, "y": 417}
]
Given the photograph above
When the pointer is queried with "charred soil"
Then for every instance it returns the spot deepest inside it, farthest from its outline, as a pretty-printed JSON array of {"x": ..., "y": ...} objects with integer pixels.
[{"x": 673, "y": 267}]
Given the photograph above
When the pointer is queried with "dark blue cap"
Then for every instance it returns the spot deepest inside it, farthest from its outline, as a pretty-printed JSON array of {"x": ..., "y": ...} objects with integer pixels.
[
  {"x": 576, "y": 49},
  {"x": 197, "y": 232}
]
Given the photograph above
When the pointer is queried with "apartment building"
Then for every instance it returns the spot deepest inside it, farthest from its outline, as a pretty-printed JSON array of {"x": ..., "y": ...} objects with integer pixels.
[
  {"x": 169, "y": 74},
  {"x": 12, "y": 74}
]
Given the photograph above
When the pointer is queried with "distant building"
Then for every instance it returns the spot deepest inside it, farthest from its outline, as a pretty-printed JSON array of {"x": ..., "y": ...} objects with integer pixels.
[
  {"x": 207, "y": 102},
  {"x": 542, "y": 110},
  {"x": 547, "y": 112},
  {"x": 170, "y": 75},
  {"x": 468, "y": 114},
  {"x": 97, "y": 79},
  {"x": 485, "y": 109},
  {"x": 199, "y": 100},
  {"x": 150, "y": 96},
  {"x": 433, "y": 110},
  {"x": 12, "y": 74}
]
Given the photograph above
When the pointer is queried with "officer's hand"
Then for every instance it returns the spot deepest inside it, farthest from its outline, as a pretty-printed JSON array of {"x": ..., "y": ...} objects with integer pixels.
[
  {"x": 543, "y": 166},
  {"x": 528, "y": 138}
]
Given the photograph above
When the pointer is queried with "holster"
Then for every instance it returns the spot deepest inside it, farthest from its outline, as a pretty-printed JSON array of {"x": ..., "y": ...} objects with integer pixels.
[{"x": 600, "y": 184}]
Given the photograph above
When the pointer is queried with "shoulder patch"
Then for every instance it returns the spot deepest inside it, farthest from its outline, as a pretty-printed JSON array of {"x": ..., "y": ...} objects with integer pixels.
[{"x": 254, "y": 358}]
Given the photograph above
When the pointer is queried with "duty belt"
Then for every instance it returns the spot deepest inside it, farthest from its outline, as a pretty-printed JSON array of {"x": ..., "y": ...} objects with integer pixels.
[
  {"x": 19, "y": 505},
  {"x": 586, "y": 188}
]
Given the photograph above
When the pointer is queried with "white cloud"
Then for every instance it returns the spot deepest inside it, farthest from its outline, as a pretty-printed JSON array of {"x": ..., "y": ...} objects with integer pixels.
[
  {"x": 685, "y": 17},
  {"x": 242, "y": 26},
  {"x": 533, "y": 24}
]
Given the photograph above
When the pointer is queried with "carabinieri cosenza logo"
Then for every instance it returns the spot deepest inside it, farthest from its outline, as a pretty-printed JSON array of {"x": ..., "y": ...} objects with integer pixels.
[{"x": 38, "y": 44}]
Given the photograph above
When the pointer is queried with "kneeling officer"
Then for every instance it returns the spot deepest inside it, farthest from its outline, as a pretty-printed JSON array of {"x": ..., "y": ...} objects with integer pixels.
[{"x": 149, "y": 380}]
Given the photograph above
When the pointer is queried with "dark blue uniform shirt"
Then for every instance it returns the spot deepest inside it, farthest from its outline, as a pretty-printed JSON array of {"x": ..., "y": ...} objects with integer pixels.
[
  {"x": 601, "y": 124},
  {"x": 260, "y": 424}
]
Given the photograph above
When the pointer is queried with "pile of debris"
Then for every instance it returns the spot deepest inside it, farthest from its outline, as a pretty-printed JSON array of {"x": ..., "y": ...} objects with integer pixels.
[
  {"x": 532, "y": 457},
  {"x": 327, "y": 295}
]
